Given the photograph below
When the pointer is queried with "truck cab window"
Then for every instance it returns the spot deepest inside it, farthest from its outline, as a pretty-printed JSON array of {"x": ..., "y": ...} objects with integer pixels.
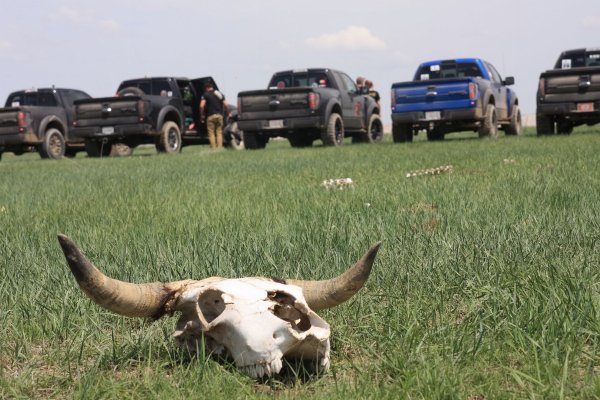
[{"x": 349, "y": 84}]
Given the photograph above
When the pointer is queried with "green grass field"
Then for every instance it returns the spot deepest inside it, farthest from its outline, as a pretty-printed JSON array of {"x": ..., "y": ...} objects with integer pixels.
[{"x": 487, "y": 284}]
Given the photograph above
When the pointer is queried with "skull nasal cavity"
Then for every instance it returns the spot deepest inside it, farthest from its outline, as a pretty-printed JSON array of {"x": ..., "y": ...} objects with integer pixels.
[
  {"x": 285, "y": 310},
  {"x": 211, "y": 304}
]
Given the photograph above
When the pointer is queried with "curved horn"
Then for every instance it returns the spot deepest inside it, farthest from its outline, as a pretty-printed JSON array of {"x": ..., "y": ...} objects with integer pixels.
[
  {"x": 330, "y": 293},
  {"x": 132, "y": 300}
]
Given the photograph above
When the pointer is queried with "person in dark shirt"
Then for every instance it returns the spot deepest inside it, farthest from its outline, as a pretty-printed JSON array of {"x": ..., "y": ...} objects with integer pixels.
[
  {"x": 371, "y": 91},
  {"x": 212, "y": 108}
]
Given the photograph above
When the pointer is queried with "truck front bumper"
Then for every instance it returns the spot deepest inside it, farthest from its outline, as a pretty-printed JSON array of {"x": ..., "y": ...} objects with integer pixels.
[
  {"x": 112, "y": 132},
  {"x": 280, "y": 127}
]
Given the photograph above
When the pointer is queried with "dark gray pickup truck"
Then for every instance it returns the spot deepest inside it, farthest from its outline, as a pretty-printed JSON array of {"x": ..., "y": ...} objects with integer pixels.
[
  {"x": 163, "y": 111},
  {"x": 309, "y": 104},
  {"x": 569, "y": 94},
  {"x": 39, "y": 120}
]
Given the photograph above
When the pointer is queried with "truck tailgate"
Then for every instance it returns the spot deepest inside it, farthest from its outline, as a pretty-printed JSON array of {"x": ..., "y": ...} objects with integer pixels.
[
  {"x": 442, "y": 94},
  {"x": 274, "y": 103},
  {"x": 108, "y": 111},
  {"x": 577, "y": 84}
]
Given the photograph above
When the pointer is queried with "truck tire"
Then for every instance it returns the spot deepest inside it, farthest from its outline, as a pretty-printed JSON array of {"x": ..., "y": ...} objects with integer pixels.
[
  {"x": 235, "y": 137},
  {"x": 254, "y": 141},
  {"x": 489, "y": 125},
  {"x": 300, "y": 139},
  {"x": 402, "y": 133},
  {"x": 375, "y": 130},
  {"x": 333, "y": 135},
  {"x": 564, "y": 128},
  {"x": 515, "y": 127},
  {"x": 130, "y": 91},
  {"x": 53, "y": 145},
  {"x": 120, "y": 150},
  {"x": 435, "y": 135},
  {"x": 169, "y": 140},
  {"x": 96, "y": 149},
  {"x": 544, "y": 125}
]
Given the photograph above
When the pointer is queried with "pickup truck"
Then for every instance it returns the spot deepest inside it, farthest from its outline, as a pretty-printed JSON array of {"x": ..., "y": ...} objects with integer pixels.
[
  {"x": 309, "y": 104},
  {"x": 569, "y": 94},
  {"x": 39, "y": 120},
  {"x": 454, "y": 95},
  {"x": 163, "y": 111}
]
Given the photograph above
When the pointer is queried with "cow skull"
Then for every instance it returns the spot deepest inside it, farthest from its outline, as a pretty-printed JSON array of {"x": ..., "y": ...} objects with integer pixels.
[{"x": 257, "y": 321}]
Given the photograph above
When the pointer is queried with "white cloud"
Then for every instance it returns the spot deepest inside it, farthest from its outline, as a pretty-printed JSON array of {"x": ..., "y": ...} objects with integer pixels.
[
  {"x": 350, "y": 38},
  {"x": 5, "y": 45},
  {"x": 85, "y": 18},
  {"x": 591, "y": 21}
]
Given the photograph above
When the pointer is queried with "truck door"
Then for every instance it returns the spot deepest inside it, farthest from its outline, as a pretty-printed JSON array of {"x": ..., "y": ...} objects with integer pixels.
[
  {"x": 500, "y": 92},
  {"x": 352, "y": 102}
]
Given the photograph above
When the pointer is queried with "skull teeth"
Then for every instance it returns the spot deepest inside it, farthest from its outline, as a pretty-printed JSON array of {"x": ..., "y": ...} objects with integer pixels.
[{"x": 259, "y": 370}]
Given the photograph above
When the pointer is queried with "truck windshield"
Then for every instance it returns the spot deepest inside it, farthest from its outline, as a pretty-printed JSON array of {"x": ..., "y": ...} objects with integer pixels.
[
  {"x": 299, "y": 79},
  {"x": 44, "y": 99},
  {"x": 448, "y": 70},
  {"x": 579, "y": 60}
]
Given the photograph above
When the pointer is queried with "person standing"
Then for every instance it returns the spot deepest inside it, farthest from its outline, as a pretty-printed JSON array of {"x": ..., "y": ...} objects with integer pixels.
[
  {"x": 212, "y": 108},
  {"x": 360, "y": 84},
  {"x": 371, "y": 91}
]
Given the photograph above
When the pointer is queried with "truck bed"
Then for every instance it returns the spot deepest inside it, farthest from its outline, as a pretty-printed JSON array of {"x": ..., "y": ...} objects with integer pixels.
[{"x": 431, "y": 95}]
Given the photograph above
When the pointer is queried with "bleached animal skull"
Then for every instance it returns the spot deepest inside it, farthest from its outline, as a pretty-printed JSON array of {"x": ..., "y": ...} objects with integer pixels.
[{"x": 257, "y": 321}]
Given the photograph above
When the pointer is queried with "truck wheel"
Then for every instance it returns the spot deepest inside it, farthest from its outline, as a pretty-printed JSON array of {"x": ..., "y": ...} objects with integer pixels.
[
  {"x": 516, "y": 124},
  {"x": 402, "y": 133},
  {"x": 253, "y": 141},
  {"x": 120, "y": 150},
  {"x": 235, "y": 138},
  {"x": 130, "y": 91},
  {"x": 53, "y": 146},
  {"x": 169, "y": 140},
  {"x": 564, "y": 128},
  {"x": 97, "y": 149},
  {"x": 489, "y": 125},
  {"x": 434, "y": 135},
  {"x": 544, "y": 125},
  {"x": 375, "y": 131},
  {"x": 334, "y": 132},
  {"x": 300, "y": 139}
]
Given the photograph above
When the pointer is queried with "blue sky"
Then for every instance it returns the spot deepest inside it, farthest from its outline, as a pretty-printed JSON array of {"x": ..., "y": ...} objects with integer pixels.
[{"x": 95, "y": 45}]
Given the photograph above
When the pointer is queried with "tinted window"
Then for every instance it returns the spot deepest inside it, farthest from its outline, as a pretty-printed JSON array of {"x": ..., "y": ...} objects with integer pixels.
[
  {"x": 70, "y": 96},
  {"x": 579, "y": 60},
  {"x": 299, "y": 79},
  {"x": 448, "y": 70},
  {"x": 349, "y": 84},
  {"x": 153, "y": 87},
  {"x": 493, "y": 73},
  {"x": 45, "y": 99}
]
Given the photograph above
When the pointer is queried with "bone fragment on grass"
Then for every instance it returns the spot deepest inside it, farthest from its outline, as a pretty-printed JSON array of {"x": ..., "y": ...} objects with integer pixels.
[
  {"x": 509, "y": 161},
  {"x": 340, "y": 183},
  {"x": 431, "y": 171}
]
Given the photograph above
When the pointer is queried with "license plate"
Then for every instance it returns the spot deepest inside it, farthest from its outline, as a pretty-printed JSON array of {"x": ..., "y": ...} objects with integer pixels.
[
  {"x": 433, "y": 115},
  {"x": 585, "y": 107},
  {"x": 108, "y": 130},
  {"x": 276, "y": 123}
]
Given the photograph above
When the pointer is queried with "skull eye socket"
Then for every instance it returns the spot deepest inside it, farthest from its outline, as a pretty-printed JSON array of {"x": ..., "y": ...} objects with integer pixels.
[
  {"x": 211, "y": 304},
  {"x": 285, "y": 310}
]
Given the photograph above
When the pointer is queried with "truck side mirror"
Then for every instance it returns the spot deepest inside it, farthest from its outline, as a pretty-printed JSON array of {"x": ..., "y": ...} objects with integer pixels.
[{"x": 509, "y": 80}]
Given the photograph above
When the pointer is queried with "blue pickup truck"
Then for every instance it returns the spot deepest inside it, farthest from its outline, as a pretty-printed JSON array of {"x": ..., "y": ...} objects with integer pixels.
[{"x": 455, "y": 95}]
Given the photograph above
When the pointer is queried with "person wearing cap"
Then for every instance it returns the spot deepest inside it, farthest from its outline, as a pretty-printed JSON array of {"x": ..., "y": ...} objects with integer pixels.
[{"x": 212, "y": 108}]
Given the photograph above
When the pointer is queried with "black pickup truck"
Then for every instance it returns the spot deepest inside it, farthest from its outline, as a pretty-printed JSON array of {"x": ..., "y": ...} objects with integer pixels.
[
  {"x": 569, "y": 94},
  {"x": 162, "y": 110},
  {"x": 309, "y": 104},
  {"x": 39, "y": 120}
]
